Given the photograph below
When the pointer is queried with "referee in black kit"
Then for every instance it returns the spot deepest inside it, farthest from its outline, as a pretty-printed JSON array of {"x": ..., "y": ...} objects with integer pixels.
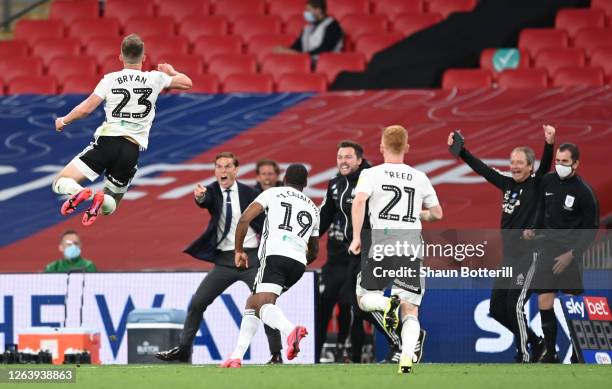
[
  {"x": 225, "y": 199},
  {"x": 520, "y": 192},
  {"x": 568, "y": 219}
]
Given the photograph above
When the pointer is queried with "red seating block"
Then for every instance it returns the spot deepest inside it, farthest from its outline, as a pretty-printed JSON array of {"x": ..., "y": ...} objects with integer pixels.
[
  {"x": 330, "y": 64},
  {"x": 235, "y": 8},
  {"x": 183, "y": 9},
  {"x": 210, "y": 46},
  {"x": 395, "y": 7},
  {"x": 573, "y": 20},
  {"x": 605, "y": 5},
  {"x": 203, "y": 83},
  {"x": 555, "y": 58},
  {"x": 81, "y": 84},
  {"x": 20, "y": 66},
  {"x": 248, "y": 83},
  {"x": 466, "y": 79},
  {"x": 591, "y": 39},
  {"x": 578, "y": 76},
  {"x": 523, "y": 78},
  {"x": 146, "y": 26},
  {"x": 47, "y": 49},
  {"x": 294, "y": 25},
  {"x": 44, "y": 85},
  {"x": 370, "y": 44},
  {"x": 225, "y": 65},
  {"x": 355, "y": 25},
  {"x": 536, "y": 39},
  {"x": 279, "y": 64},
  {"x": 161, "y": 45},
  {"x": 13, "y": 48},
  {"x": 184, "y": 63},
  {"x": 447, "y": 7},
  {"x": 123, "y": 10},
  {"x": 302, "y": 82},
  {"x": 286, "y": 8},
  {"x": 68, "y": 11},
  {"x": 249, "y": 26},
  {"x": 340, "y": 8},
  {"x": 194, "y": 27},
  {"x": 102, "y": 48},
  {"x": 72, "y": 65},
  {"x": 88, "y": 29},
  {"x": 603, "y": 58},
  {"x": 409, "y": 23},
  {"x": 486, "y": 60},
  {"x": 262, "y": 45},
  {"x": 35, "y": 30}
]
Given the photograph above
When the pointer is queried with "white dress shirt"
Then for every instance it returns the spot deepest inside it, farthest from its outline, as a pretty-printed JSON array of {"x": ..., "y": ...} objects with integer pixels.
[{"x": 228, "y": 243}]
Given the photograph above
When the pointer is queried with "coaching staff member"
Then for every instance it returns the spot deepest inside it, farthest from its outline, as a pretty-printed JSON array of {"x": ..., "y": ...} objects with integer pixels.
[{"x": 225, "y": 199}]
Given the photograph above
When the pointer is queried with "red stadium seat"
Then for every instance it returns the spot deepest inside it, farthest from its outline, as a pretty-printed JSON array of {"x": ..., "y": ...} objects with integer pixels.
[
  {"x": 81, "y": 84},
  {"x": 572, "y": 20},
  {"x": 13, "y": 48},
  {"x": 235, "y": 8},
  {"x": 279, "y": 64},
  {"x": 126, "y": 9},
  {"x": 605, "y": 5},
  {"x": 591, "y": 39},
  {"x": 194, "y": 27},
  {"x": 394, "y": 7},
  {"x": 20, "y": 66},
  {"x": 72, "y": 65},
  {"x": 287, "y": 8},
  {"x": 330, "y": 64},
  {"x": 224, "y": 65},
  {"x": 603, "y": 58},
  {"x": 184, "y": 63},
  {"x": 110, "y": 64},
  {"x": 355, "y": 25},
  {"x": 35, "y": 30},
  {"x": 340, "y": 8},
  {"x": 249, "y": 26},
  {"x": 302, "y": 82},
  {"x": 262, "y": 45},
  {"x": 67, "y": 11},
  {"x": 536, "y": 39},
  {"x": 146, "y": 26},
  {"x": 102, "y": 48},
  {"x": 202, "y": 83},
  {"x": 43, "y": 85},
  {"x": 295, "y": 25},
  {"x": 183, "y": 9},
  {"x": 248, "y": 83},
  {"x": 210, "y": 46},
  {"x": 523, "y": 78},
  {"x": 486, "y": 60},
  {"x": 160, "y": 45},
  {"x": 409, "y": 23},
  {"x": 1, "y": 89},
  {"x": 447, "y": 7},
  {"x": 554, "y": 59},
  {"x": 466, "y": 79},
  {"x": 87, "y": 29},
  {"x": 370, "y": 44},
  {"x": 47, "y": 49},
  {"x": 578, "y": 76}
]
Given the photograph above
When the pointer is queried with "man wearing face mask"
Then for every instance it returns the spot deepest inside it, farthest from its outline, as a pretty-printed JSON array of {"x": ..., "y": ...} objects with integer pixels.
[
  {"x": 322, "y": 34},
  {"x": 520, "y": 192},
  {"x": 568, "y": 219},
  {"x": 70, "y": 247},
  {"x": 267, "y": 172}
]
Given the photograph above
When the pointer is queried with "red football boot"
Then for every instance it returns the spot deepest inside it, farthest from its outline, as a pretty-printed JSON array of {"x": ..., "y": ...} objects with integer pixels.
[
  {"x": 92, "y": 213},
  {"x": 73, "y": 202},
  {"x": 293, "y": 341},
  {"x": 231, "y": 363}
]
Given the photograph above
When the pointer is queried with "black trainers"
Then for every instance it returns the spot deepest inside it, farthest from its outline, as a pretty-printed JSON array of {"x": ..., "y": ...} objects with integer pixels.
[
  {"x": 179, "y": 354},
  {"x": 549, "y": 358},
  {"x": 418, "y": 349},
  {"x": 538, "y": 349},
  {"x": 276, "y": 359}
]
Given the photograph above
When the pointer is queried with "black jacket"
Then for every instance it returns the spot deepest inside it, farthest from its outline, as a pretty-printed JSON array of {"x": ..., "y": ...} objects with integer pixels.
[
  {"x": 205, "y": 247},
  {"x": 259, "y": 189}
]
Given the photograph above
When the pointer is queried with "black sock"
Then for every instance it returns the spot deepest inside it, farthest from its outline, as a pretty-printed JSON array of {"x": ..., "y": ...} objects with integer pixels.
[
  {"x": 532, "y": 338},
  {"x": 549, "y": 327}
]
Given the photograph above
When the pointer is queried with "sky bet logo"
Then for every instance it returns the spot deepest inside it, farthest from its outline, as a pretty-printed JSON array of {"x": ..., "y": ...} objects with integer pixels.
[{"x": 596, "y": 307}]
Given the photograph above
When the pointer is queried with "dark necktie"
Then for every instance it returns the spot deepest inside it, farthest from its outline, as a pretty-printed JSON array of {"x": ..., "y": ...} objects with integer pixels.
[{"x": 228, "y": 215}]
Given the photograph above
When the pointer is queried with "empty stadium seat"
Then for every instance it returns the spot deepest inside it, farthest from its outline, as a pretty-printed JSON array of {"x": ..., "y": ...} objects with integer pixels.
[
  {"x": 183, "y": 9},
  {"x": 466, "y": 79},
  {"x": 523, "y": 78},
  {"x": 536, "y": 39},
  {"x": 330, "y": 64},
  {"x": 591, "y": 39},
  {"x": 44, "y": 85},
  {"x": 184, "y": 63},
  {"x": 447, "y": 7},
  {"x": 71, "y": 65},
  {"x": 302, "y": 82},
  {"x": 578, "y": 76},
  {"x": 286, "y": 8},
  {"x": 341, "y": 8},
  {"x": 262, "y": 45},
  {"x": 146, "y": 26},
  {"x": 123, "y": 10},
  {"x": 81, "y": 84},
  {"x": 370, "y": 44},
  {"x": 248, "y": 83},
  {"x": 554, "y": 59},
  {"x": 202, "y": 83},
  {"x": 355, "y": 25},
  {"x": 603, "y": 58},
  {"x": 249, "y": 26},
  {"x": 572, "y": 20},
  {"x": 102, "y": 48},
  {"x": 605, "y": 5},
  {"x": 235, "y": 8},
  {"x": 409, "y": 23},
  {"x": 67, "y": 11},
  {"x": 294, "y": 25},
  {"x": 394, "y": 7},
  {"x": 160, "y": 45},
  {"x": 279, "y": 64},
  {"x": 87, "y": 29},
  {"x": 13, "y": 48},
  {"x": 47, "y": 49},
  {"x": 20, "y": 66},
  {"x": 224, "y": 65},
  {"x": 34, "y": 30},
  {"x": 209, "y": 46},
  {"x": 486, "y": 60},
  {"x": 109, "y": 65},
  {"x": 194, "y": 27}
]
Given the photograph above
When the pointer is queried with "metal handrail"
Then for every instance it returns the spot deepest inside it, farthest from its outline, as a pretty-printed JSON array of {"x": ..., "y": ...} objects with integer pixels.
[{"x": 6, "y": 23}]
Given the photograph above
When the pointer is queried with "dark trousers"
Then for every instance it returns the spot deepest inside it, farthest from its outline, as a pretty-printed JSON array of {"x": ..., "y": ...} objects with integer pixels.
[{"x": 215, "y": 282}]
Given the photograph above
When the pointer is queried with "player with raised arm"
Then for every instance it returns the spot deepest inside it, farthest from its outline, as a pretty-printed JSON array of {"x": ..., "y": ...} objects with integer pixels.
[
  {"x": 393, "y": 192},
  {"x": 130, "y": 95},
  {"x": 290, "y": 241}
]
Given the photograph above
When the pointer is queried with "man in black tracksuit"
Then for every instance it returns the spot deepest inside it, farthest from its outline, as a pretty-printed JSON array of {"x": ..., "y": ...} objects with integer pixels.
[
  {"x": 519, "y": 202},
  {"x": 568, "y": 219}
]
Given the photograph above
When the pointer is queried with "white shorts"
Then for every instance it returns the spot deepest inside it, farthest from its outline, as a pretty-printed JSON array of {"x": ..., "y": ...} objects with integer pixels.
[{"x": 403, "y": 294}]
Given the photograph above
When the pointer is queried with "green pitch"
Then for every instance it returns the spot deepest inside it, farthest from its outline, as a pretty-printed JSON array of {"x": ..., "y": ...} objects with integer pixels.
[{"x": 472, "y": 376}]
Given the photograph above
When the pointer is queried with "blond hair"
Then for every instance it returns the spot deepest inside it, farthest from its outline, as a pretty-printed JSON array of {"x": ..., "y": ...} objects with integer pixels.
[{"x": 395, "y": 139}]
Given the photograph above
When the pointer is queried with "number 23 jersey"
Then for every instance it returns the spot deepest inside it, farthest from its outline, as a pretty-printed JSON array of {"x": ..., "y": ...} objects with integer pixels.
[
  {"x": 291, "y": 219},
  {"x": 130, "y": 97},
  {"x": 397, "y": 194}
]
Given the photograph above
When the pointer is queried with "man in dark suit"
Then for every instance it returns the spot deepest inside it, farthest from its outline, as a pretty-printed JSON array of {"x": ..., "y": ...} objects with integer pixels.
[{"x": 225, "y": 199}]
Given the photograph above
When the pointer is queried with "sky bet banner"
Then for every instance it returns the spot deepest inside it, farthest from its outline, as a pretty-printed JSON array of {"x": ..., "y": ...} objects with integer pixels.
[{"x": 32, "y": 300}]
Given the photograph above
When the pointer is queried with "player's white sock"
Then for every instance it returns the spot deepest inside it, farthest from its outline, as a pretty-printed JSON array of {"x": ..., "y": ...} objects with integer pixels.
[
  {"x": 248, "y": 329},
  {"x": 109, "y": 205},
  {"x": 272, "y": 315},
  {"x": 371, "y": 302},
  {"x": 66, "y": 186},
  {"x": 410, "y": 335}
]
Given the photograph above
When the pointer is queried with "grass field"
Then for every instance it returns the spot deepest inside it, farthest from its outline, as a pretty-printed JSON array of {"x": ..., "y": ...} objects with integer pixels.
[{"x": 471, "y": 376}]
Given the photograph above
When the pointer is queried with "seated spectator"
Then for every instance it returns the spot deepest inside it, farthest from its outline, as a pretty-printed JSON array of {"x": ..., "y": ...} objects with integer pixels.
[
  {"x": 70, "y": 247},
  {"x": 322, "y": 34},
  {"x": 267, "y": 171}
]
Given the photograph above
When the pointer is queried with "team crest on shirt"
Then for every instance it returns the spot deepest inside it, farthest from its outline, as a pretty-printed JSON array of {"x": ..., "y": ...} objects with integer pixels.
[{"x": 569, "y": 202}]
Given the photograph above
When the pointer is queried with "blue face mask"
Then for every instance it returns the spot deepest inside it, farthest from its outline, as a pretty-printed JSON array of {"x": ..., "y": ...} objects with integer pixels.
[
  {"x": 309, "y": 17},
  {"x": 72, "y": 252}
]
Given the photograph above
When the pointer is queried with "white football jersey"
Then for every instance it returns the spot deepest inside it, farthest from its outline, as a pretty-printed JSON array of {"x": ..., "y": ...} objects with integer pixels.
[
  {"x": 398, "y": 193},
  {"x": 130, "y": 97},
  {"x": 291, "y": 219}
]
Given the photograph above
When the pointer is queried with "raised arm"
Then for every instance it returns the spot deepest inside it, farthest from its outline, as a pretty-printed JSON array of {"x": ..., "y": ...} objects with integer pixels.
[
  {"x": 86, "y": 107},
  {"x": 547, "y": 154},
  {"x": 179, "y": 80}
]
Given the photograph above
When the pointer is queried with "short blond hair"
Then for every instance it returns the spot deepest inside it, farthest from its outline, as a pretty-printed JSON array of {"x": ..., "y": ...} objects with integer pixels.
[{"x": 395, "y": 139}]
